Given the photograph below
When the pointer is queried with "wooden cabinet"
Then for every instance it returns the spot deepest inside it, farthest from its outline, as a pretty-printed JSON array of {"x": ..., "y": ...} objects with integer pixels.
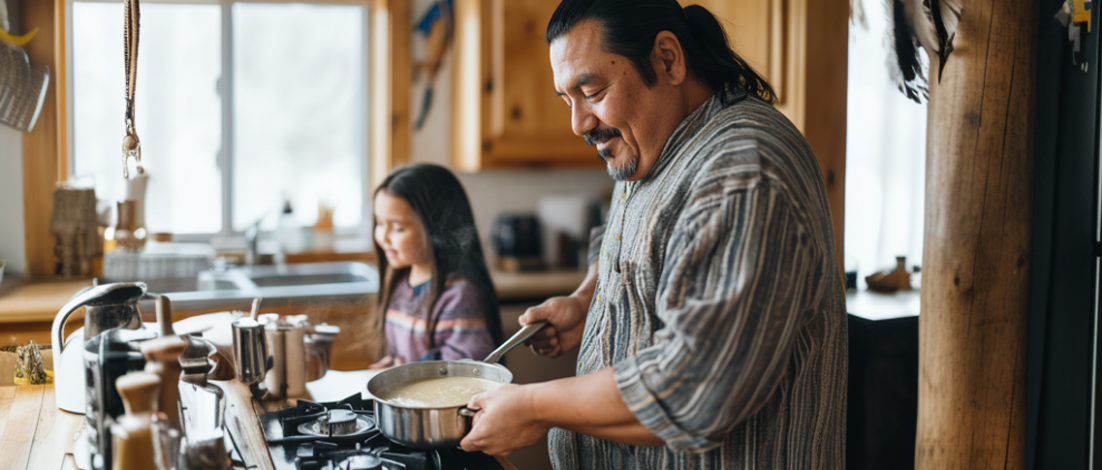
[{"x": 505, "y": 112}]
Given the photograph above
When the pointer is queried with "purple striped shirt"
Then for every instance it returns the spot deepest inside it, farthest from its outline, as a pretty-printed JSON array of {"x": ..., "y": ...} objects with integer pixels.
[{"x": 460, "y": 333}]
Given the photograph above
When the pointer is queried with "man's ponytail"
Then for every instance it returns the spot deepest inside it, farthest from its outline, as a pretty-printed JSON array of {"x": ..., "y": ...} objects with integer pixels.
[{"x": 715, "y": 62}]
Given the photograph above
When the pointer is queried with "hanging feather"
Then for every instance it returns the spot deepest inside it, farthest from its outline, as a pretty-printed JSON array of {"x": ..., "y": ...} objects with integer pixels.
[
  {"x": 911, "y": 72},
  {"x": 926, "y": 24},
  {"x": 945, "y": 14}
]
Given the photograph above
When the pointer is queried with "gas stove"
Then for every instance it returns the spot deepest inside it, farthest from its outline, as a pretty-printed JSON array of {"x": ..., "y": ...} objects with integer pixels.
[{"x": 342, "y": 435}]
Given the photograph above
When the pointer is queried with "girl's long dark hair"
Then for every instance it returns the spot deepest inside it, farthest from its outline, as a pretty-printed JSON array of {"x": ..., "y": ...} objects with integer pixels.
[
  {"x": 630, "y": 27},
  {"x": 438, "y": 200}
]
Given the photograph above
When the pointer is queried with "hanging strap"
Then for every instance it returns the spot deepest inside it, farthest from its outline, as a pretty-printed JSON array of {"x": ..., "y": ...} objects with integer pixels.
[{"x": 131, "y": 146}]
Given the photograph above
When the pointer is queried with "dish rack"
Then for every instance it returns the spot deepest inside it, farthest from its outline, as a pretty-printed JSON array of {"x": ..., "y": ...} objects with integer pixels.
[{"x": 158, "y": 261}]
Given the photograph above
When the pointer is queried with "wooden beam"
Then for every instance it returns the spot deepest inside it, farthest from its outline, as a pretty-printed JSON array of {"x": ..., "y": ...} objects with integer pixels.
[{"x": 976, "y": 258}]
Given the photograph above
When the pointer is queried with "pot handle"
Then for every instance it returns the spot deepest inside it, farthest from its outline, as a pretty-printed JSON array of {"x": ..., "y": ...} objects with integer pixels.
[
  {"x": 466, "y": 419},
  {"x": 520, "y": 337}
]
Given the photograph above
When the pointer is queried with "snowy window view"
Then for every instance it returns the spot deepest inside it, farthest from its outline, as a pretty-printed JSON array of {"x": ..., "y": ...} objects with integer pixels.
[{"x": 292, "y": 127}]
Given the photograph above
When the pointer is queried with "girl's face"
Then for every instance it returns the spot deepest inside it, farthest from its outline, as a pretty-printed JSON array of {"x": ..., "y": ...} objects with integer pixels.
[{"x": 399, "y": 232}]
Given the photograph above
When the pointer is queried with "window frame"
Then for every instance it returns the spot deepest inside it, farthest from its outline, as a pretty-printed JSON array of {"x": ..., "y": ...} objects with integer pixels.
[{"x": 386, "y": 60}]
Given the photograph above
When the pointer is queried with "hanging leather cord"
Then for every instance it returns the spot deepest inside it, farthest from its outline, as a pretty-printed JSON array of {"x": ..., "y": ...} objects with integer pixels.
[{"x": 131, "y": 146}]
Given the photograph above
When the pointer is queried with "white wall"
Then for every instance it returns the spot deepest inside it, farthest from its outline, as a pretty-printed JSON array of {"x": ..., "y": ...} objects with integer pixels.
[
  {"x": 12, "y": 242},
  {"x": 495, "y": 191}
]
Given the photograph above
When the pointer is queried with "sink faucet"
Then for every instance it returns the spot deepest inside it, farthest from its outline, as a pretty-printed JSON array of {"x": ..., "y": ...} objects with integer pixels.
[{"x": 251, "y": 236}]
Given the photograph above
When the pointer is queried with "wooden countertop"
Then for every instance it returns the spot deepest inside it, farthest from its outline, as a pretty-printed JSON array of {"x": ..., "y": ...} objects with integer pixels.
[
  {"x": 34, "y": 301},
  {"x": 36, "y": 435},
  {"x": 23, "y": 301}
]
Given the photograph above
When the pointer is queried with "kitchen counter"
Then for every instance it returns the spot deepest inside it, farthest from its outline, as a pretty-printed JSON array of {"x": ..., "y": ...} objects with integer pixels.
[
  {"x": 535, "y": 284},
  {"x": 24, "y": 301},
  {"x": 28, "y": 308},
  {"x": 36, "y": 435},
  {"x": 875, "y": 306}
]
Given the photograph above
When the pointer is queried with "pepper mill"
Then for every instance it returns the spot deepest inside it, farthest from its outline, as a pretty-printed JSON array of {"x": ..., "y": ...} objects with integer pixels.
[
  {"x": 132, "y": 436},
  {"x": 162, "y": 357}
]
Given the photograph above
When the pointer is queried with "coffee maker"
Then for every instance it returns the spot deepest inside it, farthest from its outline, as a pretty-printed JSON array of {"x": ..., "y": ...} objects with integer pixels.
[{"x": 518, "y": 242}]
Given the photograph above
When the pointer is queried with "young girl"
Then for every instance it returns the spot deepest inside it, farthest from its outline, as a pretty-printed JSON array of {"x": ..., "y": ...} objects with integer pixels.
[{"x": 440, "y": 303}]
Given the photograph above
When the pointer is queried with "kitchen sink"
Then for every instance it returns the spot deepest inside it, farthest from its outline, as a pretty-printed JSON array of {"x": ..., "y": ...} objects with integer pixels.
[
  {"x": 292, "y": 284},
  {"x": 305, "y": 274},
  {"x": 306, "y": 279}
]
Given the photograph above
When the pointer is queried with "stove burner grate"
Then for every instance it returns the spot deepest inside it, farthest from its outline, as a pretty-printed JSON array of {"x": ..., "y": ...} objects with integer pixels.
[
  {"x": 339, "y": 423},
  {"x": 342, "y": 435}
]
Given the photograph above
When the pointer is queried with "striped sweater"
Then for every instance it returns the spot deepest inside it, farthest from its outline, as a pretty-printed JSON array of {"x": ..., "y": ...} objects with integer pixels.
[
  {"x": 719, "y": 304},
  {"x": 460, "y": 333}
]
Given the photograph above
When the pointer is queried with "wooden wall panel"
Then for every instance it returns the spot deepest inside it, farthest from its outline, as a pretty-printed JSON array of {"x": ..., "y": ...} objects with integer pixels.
[
  {"x": 824, "y": 45},
  {"x": 41, "y": 147}
]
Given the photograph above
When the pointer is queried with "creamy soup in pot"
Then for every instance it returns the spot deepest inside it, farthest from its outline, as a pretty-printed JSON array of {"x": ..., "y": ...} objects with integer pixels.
[{"x": 436, "y": 392}]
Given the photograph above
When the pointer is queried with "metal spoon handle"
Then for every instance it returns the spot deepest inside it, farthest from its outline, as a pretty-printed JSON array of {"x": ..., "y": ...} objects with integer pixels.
[{"x": 520, "y": 337}]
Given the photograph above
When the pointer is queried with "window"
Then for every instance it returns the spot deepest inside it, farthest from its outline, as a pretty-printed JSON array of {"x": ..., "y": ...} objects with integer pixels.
[
  {"x": 240, "y": 107},
  {"x": 885, "y": 153}
]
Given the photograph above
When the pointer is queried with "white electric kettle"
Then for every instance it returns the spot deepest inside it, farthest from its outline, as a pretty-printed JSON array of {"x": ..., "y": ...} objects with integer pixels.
[{"x": 105, "y": 306}]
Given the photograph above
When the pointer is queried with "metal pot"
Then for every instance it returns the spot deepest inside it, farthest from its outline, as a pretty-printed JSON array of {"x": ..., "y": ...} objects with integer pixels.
[{"x": 430, "y": 427}]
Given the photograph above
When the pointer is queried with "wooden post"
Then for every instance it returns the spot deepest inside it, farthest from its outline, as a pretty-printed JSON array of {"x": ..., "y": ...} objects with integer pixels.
[{"x": 975, "y": 281}]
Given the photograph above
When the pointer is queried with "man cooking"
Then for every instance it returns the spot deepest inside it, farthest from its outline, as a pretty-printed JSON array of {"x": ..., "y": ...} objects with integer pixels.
[{"x": 712, "y": 328}]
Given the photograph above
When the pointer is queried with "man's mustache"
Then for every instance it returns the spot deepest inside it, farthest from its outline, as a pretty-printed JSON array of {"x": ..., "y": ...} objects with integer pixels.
[{"x": 594, "y": 136}]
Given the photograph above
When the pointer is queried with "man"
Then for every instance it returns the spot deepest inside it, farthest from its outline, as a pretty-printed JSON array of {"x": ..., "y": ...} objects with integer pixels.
[{"x": 712, "y": 330}]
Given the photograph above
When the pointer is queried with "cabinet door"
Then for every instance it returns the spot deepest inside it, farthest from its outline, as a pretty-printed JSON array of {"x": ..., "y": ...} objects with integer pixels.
[
  {"x": 751, "y": 25},
  {"x": 505, "y": 112},
  {"x": 758, "y": 31}
]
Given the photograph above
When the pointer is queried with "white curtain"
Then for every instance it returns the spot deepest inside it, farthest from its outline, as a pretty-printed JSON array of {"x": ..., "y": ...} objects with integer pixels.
[{"x": 885, "y": 152}]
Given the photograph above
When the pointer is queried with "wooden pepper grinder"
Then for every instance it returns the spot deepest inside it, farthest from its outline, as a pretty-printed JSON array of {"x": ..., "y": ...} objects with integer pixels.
[
  {"x": 132, "y": 436},
  {"x": 162, "y": 357}
]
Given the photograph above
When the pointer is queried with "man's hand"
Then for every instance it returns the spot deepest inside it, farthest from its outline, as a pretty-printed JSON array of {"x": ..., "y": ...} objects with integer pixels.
[
  {"x": 516, "y": 416},
  {"x": 566, "y": 316},
  {"x": 506, "y": 421}
]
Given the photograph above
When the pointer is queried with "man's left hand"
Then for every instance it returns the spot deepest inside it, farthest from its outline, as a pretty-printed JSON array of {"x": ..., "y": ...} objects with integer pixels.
[{"x": 506, "y": 421}]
